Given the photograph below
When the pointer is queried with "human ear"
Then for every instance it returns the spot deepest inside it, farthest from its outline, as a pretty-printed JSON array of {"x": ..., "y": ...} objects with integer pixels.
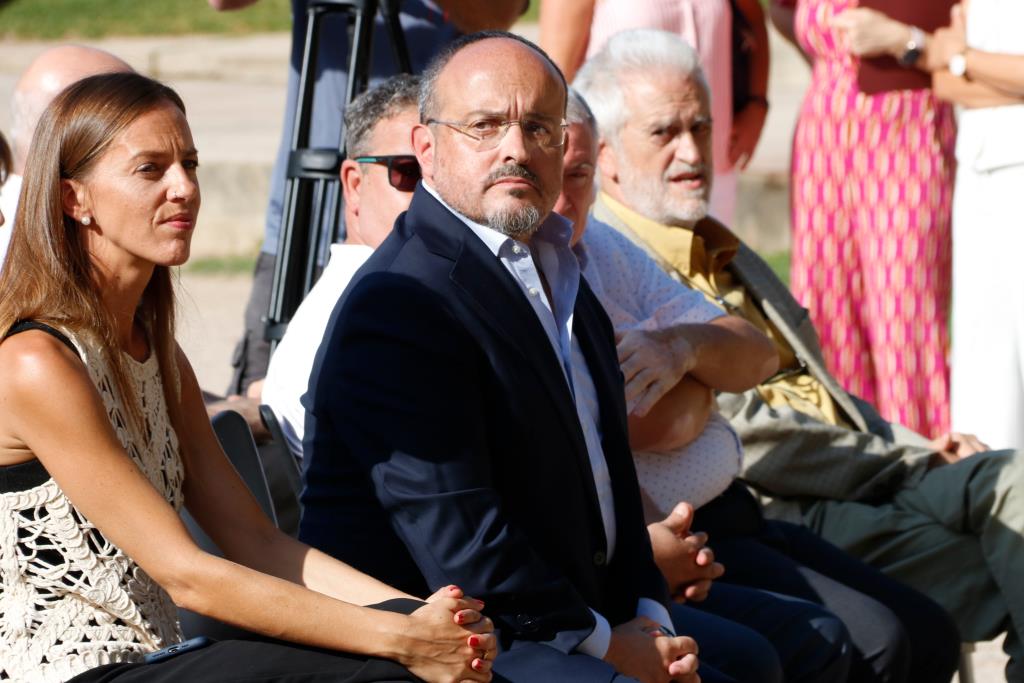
[
  {"x": 423, "y": 147},
  {"x": 74, "y": 200},
  {"x": 607, "y": 161},
  {"x": 351, "y": 179}
]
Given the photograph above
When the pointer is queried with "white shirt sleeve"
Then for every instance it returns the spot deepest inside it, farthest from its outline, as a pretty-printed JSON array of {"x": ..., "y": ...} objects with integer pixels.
[
  {"x": 596, "y": 644},
  {"x": 655, "y": 611},
  {"x": 633, "y": 288}
]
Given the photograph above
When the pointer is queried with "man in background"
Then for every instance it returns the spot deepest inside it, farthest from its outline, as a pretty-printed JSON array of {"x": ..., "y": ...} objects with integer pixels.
[
  {"x": 377, "y": 179},
  {"x": 45, "y": 77},
  {"x": 428, "y": 25},
  {"x": 941, "y": 517}
]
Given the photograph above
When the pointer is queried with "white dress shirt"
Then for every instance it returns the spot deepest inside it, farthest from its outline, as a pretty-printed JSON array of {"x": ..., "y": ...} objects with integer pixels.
[
  {"x": 549, "y": 249},
  {"x": 9, "y": 192},
  {"x": 292, "y": 363}
]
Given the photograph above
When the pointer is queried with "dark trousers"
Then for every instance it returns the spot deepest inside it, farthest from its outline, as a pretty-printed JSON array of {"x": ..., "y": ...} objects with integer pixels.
[
  {"x": 736, "y": 646},
  {"x": 257, "y": 659},
  {"x": 809, "y": 643},
  {"x": 898, "y": 634}
]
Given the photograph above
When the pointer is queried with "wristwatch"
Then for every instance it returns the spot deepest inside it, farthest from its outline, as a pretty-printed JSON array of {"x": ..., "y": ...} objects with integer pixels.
[
  {"x": 914, "y": 47},
  {"x": 958, "y": 64}
]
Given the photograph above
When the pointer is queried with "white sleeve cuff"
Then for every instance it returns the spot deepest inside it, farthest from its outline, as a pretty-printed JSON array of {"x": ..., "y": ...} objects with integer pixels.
[
  {"x": 596, "y": 644},
  {"x": 655, "y": 611}
]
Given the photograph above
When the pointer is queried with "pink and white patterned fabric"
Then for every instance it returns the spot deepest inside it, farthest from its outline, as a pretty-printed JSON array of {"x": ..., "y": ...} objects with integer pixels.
[{"x": 871, "y": 191}]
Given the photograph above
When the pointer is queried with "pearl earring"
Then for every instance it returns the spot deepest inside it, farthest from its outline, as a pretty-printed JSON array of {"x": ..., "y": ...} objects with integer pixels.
[{"x": 86, "y": 220}]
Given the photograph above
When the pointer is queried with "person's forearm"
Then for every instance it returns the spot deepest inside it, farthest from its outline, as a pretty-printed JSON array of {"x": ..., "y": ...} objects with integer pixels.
[
  {"x": 470, "y": 16},
  {"x": 782, "y": 18},
  {"x": 760, "y": 55},
  {"x": 731, "y": 354},
  {"x": 970, "y": 94},
  {"x": 676, "y": 419},
  {"x": 565, "y": 32},
  {"x": 278, "y": 608},
  {"x": 1002, "y": 72},
  {"x": 297, "y": 562},
  {"x": 222, "y": 5}
]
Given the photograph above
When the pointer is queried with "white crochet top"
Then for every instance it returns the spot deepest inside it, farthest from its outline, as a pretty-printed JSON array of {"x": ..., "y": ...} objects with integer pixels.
[{"x": 69, "y": 599}]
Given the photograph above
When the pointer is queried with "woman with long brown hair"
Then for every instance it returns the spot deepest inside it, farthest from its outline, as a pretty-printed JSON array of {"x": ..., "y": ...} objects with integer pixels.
[{"x": 103, "y": 438}]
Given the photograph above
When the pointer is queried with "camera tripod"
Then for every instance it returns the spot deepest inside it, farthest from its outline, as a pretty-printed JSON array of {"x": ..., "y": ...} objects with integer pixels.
[{"x": 312, "y": 198}]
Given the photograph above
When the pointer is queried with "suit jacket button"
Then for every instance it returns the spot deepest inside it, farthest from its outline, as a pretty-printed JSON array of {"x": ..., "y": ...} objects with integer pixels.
[
  {"x": 527, "y": 622},
  {"x": 600, "y": 559}
]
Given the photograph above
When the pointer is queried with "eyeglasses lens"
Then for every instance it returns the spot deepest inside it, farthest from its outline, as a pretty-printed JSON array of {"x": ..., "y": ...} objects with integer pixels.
[{"x": 403, "y": 174}]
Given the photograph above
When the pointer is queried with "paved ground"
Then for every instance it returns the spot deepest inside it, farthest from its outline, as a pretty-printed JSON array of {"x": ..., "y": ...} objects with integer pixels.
[{"x": 234, "y": 91}]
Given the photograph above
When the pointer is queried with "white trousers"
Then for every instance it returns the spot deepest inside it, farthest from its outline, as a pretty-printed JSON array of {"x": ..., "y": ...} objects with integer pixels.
[{"x": 988, "y": 305}]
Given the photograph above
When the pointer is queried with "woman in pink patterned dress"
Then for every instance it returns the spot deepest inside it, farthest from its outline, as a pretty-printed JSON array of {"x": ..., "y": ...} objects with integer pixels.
[{"x": 871, "y": 190}]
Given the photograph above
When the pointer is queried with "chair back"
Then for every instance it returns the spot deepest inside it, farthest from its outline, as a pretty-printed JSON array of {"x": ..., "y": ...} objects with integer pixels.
[{"x": 236, "y": 440}]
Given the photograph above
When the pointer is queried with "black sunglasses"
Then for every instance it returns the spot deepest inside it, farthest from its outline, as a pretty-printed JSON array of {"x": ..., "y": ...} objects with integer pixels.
[{"x": 403, "y": 169}]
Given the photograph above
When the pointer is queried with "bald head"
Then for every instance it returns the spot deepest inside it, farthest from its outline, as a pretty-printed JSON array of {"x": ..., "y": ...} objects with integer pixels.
[
  {"x": 47, "y": 75},
  {"x": 504, "y": 47},
  {"x": 501, "y": 175}
]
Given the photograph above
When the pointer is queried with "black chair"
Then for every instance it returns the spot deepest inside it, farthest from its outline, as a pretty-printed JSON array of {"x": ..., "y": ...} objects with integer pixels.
[
  {"x": 236, "y": 439},
  {"x": 284, "y": 475}
]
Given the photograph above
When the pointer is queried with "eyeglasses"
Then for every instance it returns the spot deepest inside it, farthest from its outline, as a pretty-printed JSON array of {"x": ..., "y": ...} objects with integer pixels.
[
  {"x": 489, "y": 132},
  {"x": 403, "y": 169}
]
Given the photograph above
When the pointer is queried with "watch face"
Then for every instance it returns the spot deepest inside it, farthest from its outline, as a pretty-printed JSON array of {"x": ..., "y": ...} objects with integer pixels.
[
  {"x": 910, "y": 56},
  {"x": 958, "y": 65}
]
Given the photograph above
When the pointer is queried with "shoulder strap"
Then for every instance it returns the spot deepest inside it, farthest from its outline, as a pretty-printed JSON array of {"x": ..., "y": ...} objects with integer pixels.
[{"x": 25, "y": 325}]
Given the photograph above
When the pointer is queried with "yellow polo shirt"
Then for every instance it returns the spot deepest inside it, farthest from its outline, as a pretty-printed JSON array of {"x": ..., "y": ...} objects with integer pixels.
[{"x": 698, "y": 258}]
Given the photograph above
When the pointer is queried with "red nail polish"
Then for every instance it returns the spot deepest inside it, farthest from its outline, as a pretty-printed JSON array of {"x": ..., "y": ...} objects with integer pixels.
[
  {"x": 458, "y": 618},
  {"x": 474, "y": 641}
]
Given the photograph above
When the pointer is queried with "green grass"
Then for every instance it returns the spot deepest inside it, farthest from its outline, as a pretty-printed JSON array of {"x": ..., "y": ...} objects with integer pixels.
[
  {"x": 91, "y": 19},
  {"x": 780, "y": 264},
  {"x": 68, "y": 19}
]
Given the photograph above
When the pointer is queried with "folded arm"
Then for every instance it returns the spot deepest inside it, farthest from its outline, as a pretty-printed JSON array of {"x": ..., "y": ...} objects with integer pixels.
[
  {"x": 726, "y": 354},
  {"x": 989, "y": 75},
  {"x": 970, "y": 94},
  {"x": 675, "y": 420}
]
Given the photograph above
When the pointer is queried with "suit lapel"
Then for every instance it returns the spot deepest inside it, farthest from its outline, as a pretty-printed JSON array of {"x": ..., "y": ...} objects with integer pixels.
[
  {"x": 791, "y": 319},
  {"x": 498, "y": 301},
  {"x": 603, "y": 367}
]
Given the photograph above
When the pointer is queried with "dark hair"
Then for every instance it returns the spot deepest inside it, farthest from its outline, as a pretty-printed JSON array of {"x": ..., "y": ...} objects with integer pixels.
[
  {"x": 54, "y": 279},
  {"x": 440, "y": 61},
  {"x": 385, "y": 100},
  {"x": 5, "y": 160}
]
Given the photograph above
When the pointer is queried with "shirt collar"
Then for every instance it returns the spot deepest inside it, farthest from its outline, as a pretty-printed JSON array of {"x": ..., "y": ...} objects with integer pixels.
[
  {"x": 554, "y": 229},
  {"x": 708, "y": 246}
]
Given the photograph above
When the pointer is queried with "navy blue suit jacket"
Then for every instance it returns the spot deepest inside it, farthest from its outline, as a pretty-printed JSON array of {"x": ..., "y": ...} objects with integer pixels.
[{"x": 443, "y": 445}]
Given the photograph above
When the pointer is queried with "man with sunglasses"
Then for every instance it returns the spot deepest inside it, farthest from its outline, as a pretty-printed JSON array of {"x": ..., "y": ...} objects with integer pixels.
[{"x": 377, "y": 180}]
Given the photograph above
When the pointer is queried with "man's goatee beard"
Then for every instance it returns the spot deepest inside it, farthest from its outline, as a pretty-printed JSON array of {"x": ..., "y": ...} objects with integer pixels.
[{"x": 519, "y": 223}]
